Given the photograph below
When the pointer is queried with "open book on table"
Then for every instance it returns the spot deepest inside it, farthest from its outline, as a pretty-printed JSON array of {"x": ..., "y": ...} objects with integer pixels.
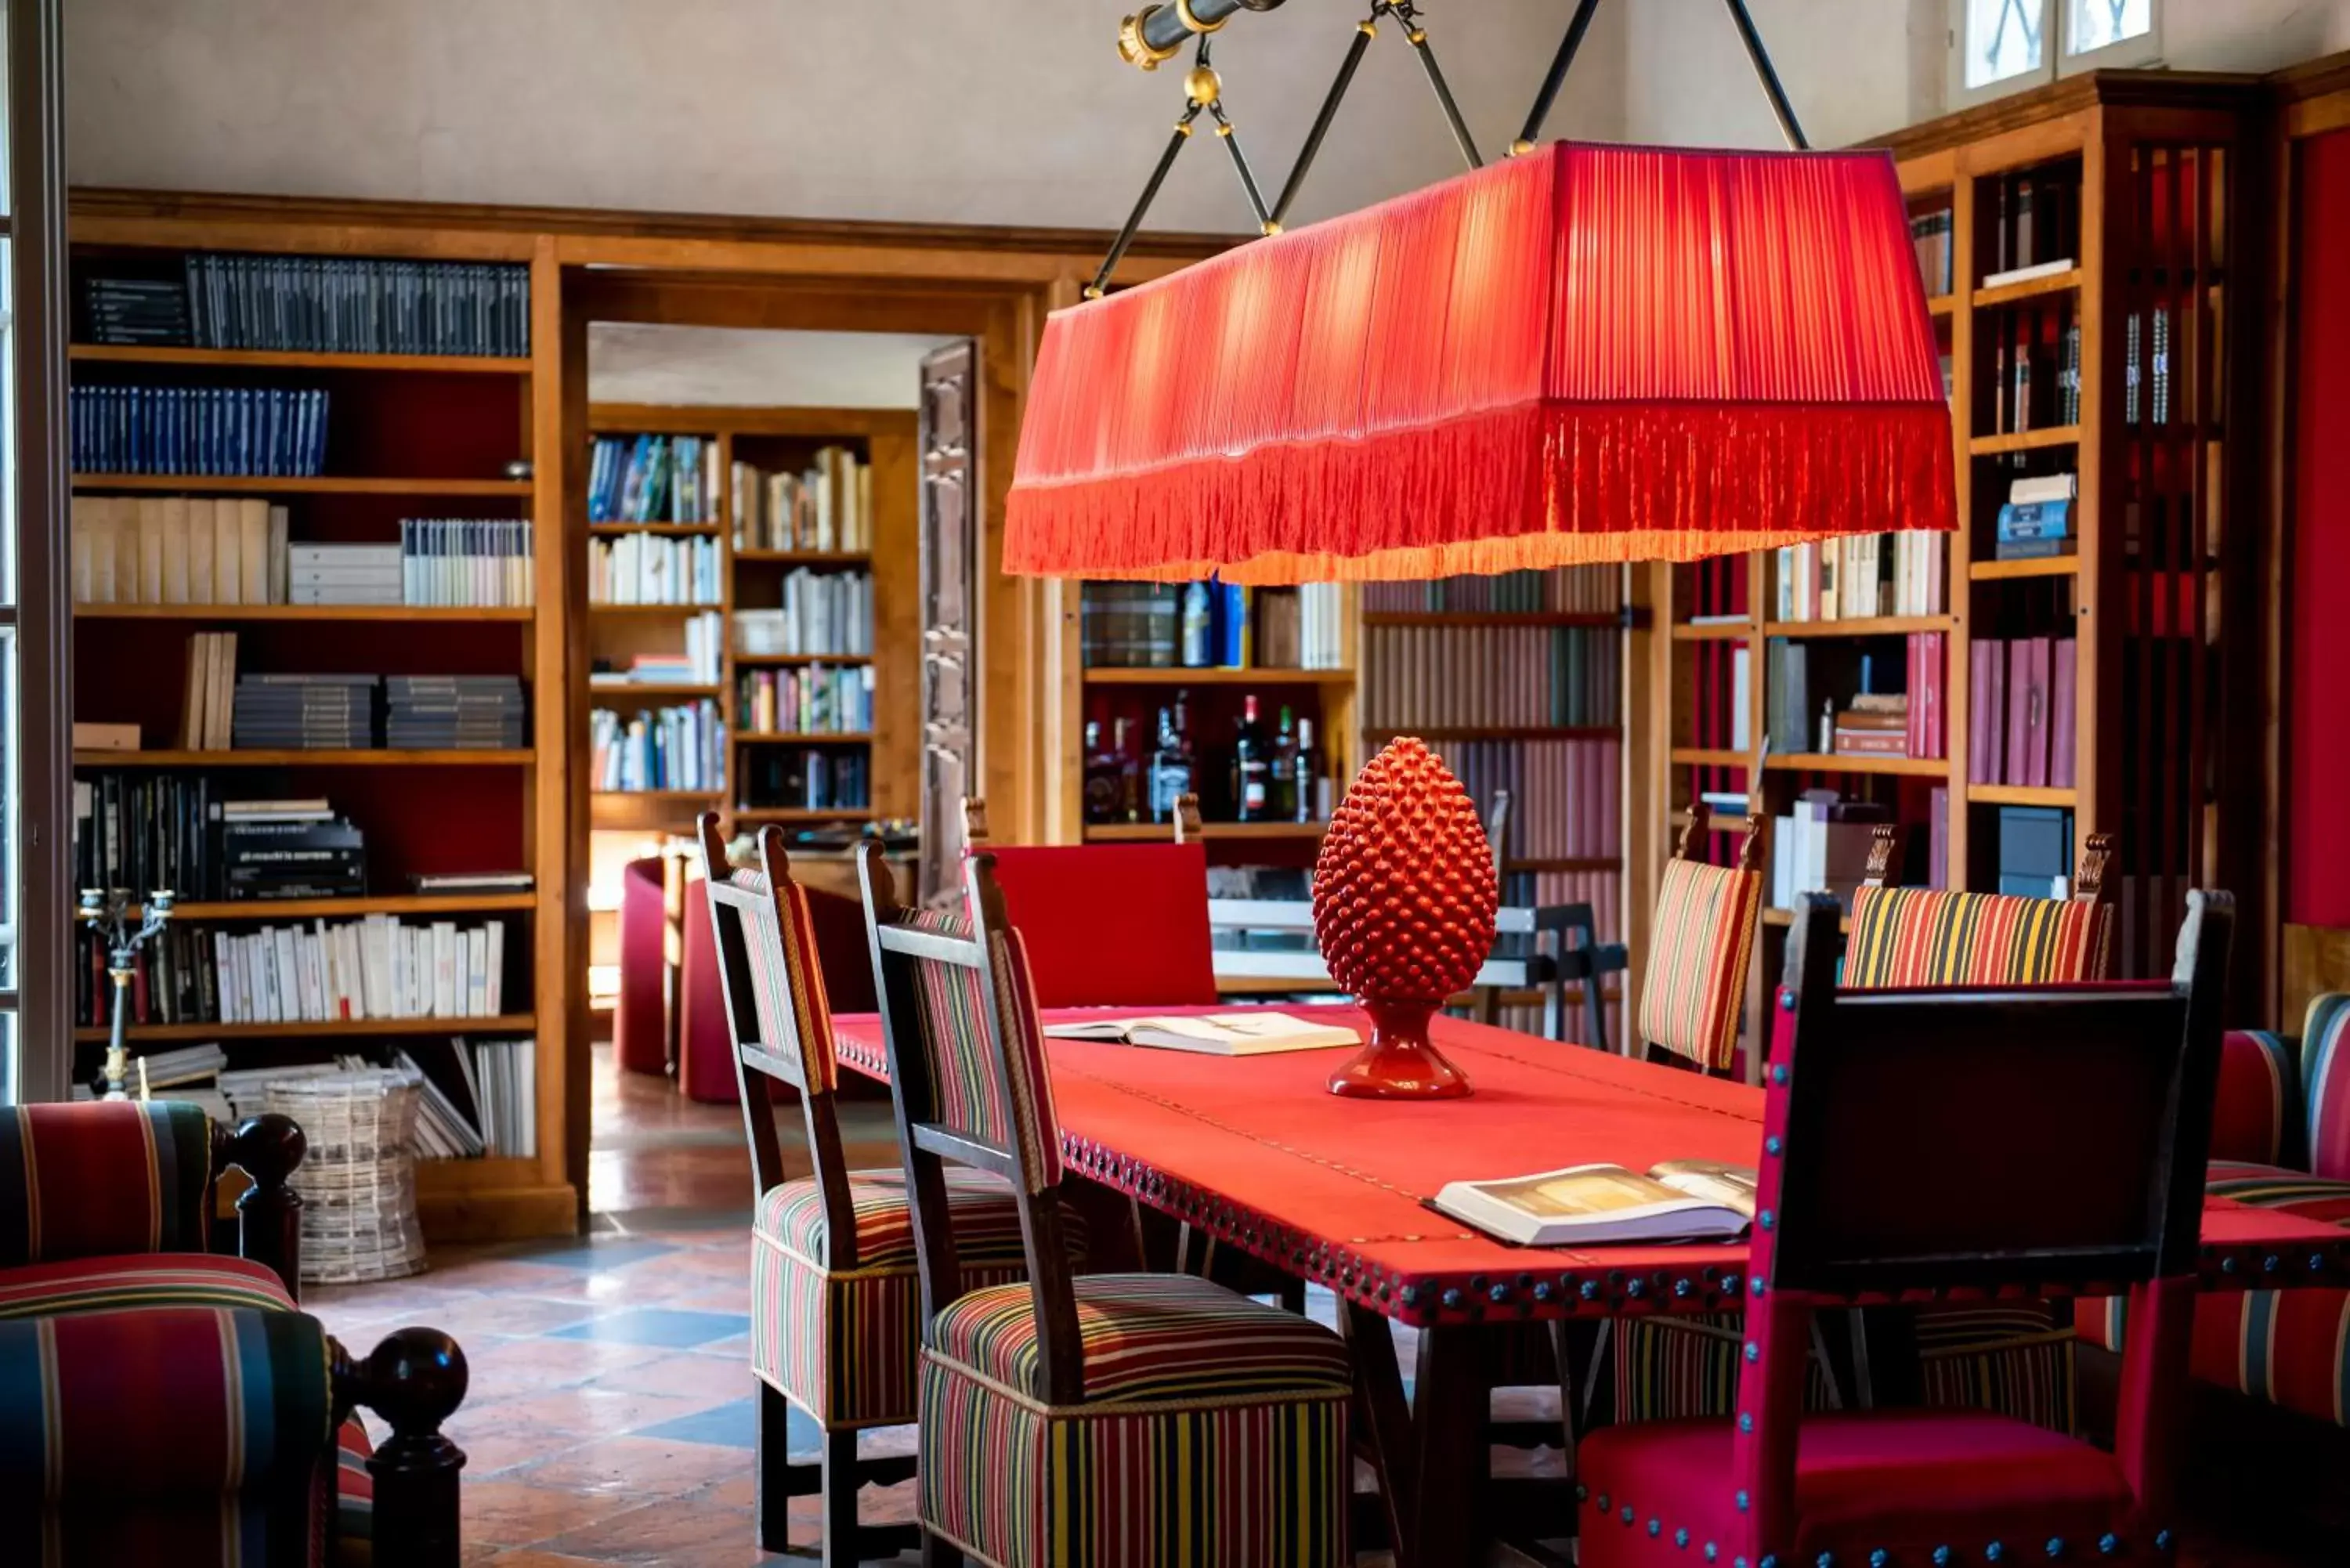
[
  {"x": 1679, "y": 1200},
  {"x": 1251, "y": 1033}
]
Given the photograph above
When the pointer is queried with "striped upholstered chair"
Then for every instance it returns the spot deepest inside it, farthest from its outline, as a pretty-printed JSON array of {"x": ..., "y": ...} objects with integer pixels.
[
  {"x": 1139, "y": 1419},
  {"x": 1699, "y": 946},
  {"x": 2279, "y": 1139},
  {"x": 834, "y": 1327},
  {"x": 113, "y": 1307}
]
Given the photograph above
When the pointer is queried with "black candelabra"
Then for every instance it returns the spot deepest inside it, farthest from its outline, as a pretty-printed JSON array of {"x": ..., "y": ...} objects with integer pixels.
[{"x": 107, "y": 911}]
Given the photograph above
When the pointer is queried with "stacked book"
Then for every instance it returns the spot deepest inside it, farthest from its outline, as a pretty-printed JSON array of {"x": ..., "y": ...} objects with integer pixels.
[
  {"x": 465, "y": 884},
  {"x": 653, "y": 479},
  {"x": 266, "y": 430},
  {"x": 289, "y": 849},
  {"x": 178, "y": 550},
  {"x": 476, "y": 562},
  {"x": 1874, "y": 725},
  {"x": 827, "y": 507},
  {"x": 153, "y": 311},
  {"x": 359, "y": 305},
  {"x": 653, "y": 569},
  {"x": 304, "y": 713},
  {"x": 2037, "y": 520},
  {"x": 822, "y": 612},
  {"x": 811, "y": 699},
  {"x": 479, "y": 1097},
  {"x": 453, "y": 712},
  {"x": 681, "y": 747},
  {"x": 1828, "y": 696},
  {"x": 345, "y": 575}
]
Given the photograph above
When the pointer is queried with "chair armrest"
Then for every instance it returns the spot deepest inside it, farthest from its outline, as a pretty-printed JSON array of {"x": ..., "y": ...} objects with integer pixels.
[
  {"x": 415, "y": 1380},
  {"x": 267, "y": 1148},
  {"x": 2257, "y": 1109},
  {"x": 99, "y": 1178}
]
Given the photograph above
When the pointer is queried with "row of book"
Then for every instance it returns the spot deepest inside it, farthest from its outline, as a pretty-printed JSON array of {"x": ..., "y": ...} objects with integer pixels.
[
  {"x": 1565, "y": 795},
  {"x": 476, "y": 1098},
  {"x": 680, "y": 747},
  {"x": 1209, "y": 626},
  {"x": 286, "y": 712},
  {"x": 809, "y": 779},
  {"x": 179, "y": 550},
  {"x": 355, "y": 305},
  {"x": 453, "y": 712},
  {"x": 1568, "y": 590},
  {"x": 474, "y": 562},
  {"x": 822, "y": 612},
  {"x": 809, "y": 699},
  {"x": 319, "y": 972},
  {"x": 653, "y": 479},
  {"x": 1826, "y": 696},
  {"x": 827, "y": 506},
  {"x": 269, "y": 431},
  {"x": 653, "y": 569},
  {"x": 2035, "y": 372},
  {"x": 148, "y": 830},
  {"x": 1861, "y": 577},
  {"x": 1930, "y": 235},
  {"x": 1490, "y": 677},
  {"x": 2022, "y": 724}
]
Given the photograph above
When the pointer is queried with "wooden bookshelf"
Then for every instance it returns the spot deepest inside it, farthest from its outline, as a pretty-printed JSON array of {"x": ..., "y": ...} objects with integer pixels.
[
  {"x": 1250, "y": 675},
  {"x": 408, "y": 435},
  {"x": 2140, "y": 769},
  {"x": 1213, "y": 832}
]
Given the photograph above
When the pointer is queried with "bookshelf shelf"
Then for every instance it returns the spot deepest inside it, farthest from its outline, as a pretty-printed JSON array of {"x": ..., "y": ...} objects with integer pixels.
[
  {"x": 323, "y": 1033},
  {"x": 1492, "y": 617},
  {"x": 655, "y": 795},
  {"x": 371, "y": 757},
  {"x": 2030, "y": 288},
  {"x": 307, "y": 612},
  {"x": 598, "y": 695},
  {"x": 779, "y": 659},
  {"x": 651, "y": 609},
  {"x": 1941, "y": 303},
  {"x": 805, "y": 737},
  {"x": 802, "y": 559},
  {"x": 1155, "y": 832},
  {"x": 2024, "y": 441},
  {"x": 1867, "y": 626},
  {"x": 672, "y": 530},
  {"x": 1500, "y": 732},
  {"x": 1711, "y": 758},
  {"x": 2019, "y": 795},
  {"x": 264, "y": 359},
  {"x": 1713, "y": 631},
  {"x": 1837, "y": 763},
  {"x": 2041, "y": 567},
  {"x": 789, "y": 814},
  {"x": 343, "y": 909},
  {"x": 1251, "y": 676},
  {"x": 313, "y": 484}
]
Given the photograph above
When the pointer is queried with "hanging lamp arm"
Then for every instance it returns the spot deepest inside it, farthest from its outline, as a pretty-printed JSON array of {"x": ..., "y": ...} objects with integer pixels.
[
  {"x": 1230, "y": 136},
  {"x": 1547, "y": 93},
  {"x": 1182, "y": 134},
  {"x": 1156, "y": 34},
  {"x": 1363, "y": 32},
  {"x": 1767, "y": 75},
  {"x": 1417, "y": 37}
]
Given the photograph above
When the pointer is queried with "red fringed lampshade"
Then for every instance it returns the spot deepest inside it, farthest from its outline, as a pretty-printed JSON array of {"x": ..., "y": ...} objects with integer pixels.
[{"x": 1590, "y": 353}]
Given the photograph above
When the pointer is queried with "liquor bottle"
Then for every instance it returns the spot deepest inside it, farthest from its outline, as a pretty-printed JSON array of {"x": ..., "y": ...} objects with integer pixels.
[
  {"x": 1281, "y": 776},
  {"x": 1102, "y": 788},
  {"x": 1197, "y": 624},
  {"x": 1249, "y": 766},
  {"x": 1308, "y": 770},
  {"x": 1170, "y": 766},
  {"x": 1130, "y": 770}
]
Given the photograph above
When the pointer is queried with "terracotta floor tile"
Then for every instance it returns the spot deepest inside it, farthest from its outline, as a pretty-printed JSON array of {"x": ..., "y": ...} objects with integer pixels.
[
  {"x": 594, "y": 1410},
  {"x": 663, "y": 1532},
  {"x": 490, "y": 1274},
  {"x": 498, "y": 1452},
  {"x": 506, "y": 1368},
  {"x": 512, "y": 1315},
  {"x": 638, "y": 1466},
  {"x": 529, "y": 1558},
  {"x": 735, "y": 1491},
  {"x": 734, "y": 1298},
  {"x": 685, "y": 1373},
  {"x": 507, "y": 1513},
  {"x": 735, "y": 1348}
]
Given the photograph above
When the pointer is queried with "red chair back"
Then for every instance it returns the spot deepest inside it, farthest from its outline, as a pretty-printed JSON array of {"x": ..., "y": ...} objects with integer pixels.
[{"x": 1112, "y": 924}]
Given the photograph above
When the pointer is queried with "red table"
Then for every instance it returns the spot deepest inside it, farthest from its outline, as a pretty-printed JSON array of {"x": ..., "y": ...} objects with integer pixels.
[{"x": 1257, "y": 1155}]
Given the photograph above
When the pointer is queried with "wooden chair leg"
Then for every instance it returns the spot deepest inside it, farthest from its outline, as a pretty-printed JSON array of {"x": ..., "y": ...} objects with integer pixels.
[
  {"x": 938, "y": 1553},
  {"x": 840, "y": 1486}
]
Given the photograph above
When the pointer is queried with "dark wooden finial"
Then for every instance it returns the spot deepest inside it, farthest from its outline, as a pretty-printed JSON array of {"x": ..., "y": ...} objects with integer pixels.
[
  {"x": 1750, "y": 847},
  {"x": 269, "y": 1148},
  {"x": 1693, "y": 839},
  {"x": 415, "y": 1380},
  {"x": 974, "y": 821},
  {"x": 1884, "y": 847},
  {"x": 2089, "y": 885},
  {"x": 1187, "y": 818}
]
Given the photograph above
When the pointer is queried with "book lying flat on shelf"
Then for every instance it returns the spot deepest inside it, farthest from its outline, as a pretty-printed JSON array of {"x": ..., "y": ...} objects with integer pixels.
[
  {"x": 1214, "y": 1034},
  {"x": 1679, "y": 1200},
  {"x": 2026, "y": 273}
]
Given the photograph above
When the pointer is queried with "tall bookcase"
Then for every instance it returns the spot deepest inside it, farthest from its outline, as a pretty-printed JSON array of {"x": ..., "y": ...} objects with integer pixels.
[
  {"x": 2135, "y": 181},
  {"x": 408, "y": 435},
  {"x": 784, "y": 439}
]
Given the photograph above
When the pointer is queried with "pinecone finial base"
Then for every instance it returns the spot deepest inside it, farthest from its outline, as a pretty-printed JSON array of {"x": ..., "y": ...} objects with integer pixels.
[{"x": 1400, "y": 1062}]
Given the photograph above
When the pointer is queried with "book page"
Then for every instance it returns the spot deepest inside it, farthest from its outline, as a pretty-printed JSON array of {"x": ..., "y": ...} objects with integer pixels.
[
  {"x": 1731, "y": 1186},
  {"x": 1565, "y": 1195}
]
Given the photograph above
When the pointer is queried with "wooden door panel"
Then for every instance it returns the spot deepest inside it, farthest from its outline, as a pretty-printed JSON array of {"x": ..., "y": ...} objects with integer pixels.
[{"x": 950, "y": 624}]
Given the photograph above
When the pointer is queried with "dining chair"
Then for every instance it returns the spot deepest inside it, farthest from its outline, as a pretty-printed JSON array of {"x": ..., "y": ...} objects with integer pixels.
[
  {"x": 834, "y": 1286},
  {"x": 1699, "y": 942},
  {"x": 1110, "y": 925},
  {"x": 1134, "y": 1419},
  {"x": 1990, "y": 1181},
  {"x": 2015, "y": 1356}
]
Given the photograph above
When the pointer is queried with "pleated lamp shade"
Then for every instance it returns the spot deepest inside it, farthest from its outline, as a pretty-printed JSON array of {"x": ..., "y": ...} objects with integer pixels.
[{"x": 1586, "y": 354}]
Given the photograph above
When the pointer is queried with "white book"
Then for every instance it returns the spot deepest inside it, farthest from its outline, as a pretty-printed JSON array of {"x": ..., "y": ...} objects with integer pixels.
[
  {"x": 1742, "y": 673},
  {"x": 172, "y": 588},
  {"x": 2026, "y": 273},
  {"x": 524, "y": 1054},
  {"x": 201, "y": 540},
  {"x": 223, "y": 974},
  {"x": 278, "y": 520},
  {"x": 228, "y": 554},
  {"x": 494, "y": 996},
  {"x": 253, "y": 551},
  {"x": 2040, "y": 487},
  {"x": 444, "y": 969},
  {"x": 477, "y": 973},
  {"x": 1678, "y": 1201},
  {"x": 1252, "y": 1034},
  {"x": 149, "y": 516}
]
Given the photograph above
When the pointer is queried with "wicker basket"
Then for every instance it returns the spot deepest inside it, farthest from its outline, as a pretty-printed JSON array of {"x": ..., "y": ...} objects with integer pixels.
[{"x": 358, "y": 1181}]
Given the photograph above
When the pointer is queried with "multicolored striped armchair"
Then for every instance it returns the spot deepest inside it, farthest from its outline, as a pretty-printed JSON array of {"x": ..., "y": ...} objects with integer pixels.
[
  {"x": 113, "y": 1307},
  {"x": 1136, "y": 1419},
  {"x": 2281, "y": 1139}
]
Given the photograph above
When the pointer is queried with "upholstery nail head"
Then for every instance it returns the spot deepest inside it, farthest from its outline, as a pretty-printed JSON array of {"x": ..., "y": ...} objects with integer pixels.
[
  {"x": 1824, "y": 1559},
  {"x": 1741, "y": 1507},
  {"x": 1582, "y": 1493},
  {"x": 1542, "y": 1290},
  {"x": 1942, "y": 1557},
  {"x": 1711, "y": 1552},
  {"x": 2228, "y": 1265},
  {"x": 2162, "y": 1541},
  {"x": 1779, "y": 1073},
  {"x": 1754, "y": 1351},
  {"x": 2055, "y": 1547},
  {"x": 1786, "y": 1000},
  {"x": 1766, "y": 1220},
  {"x": 1771, "y": 1145},
  {"x": 1879, "y": 1558},
  {"x": 1590, "y": 1290},
  {"x": 1758, "y": 1287},
  {"x": 2269, "y": 1263},
  {"x": 1656, "y": 1526},
  {"x": 1626, "y": 1513},
  {"x": 1680, "y": 1537},
  {"x": 1730, "y": 1286},
  {"x": 1633, "y": 1287},
  {"x": 1452, "y": 1298},
  {"x": 2109, "y": 1543},
  {"x": 1994, "y": 1551},
  {"x": 1746, "y": 1420},
  {"x": 1603, "y": 1503},
  {"x": 1680, "y": 1287}
]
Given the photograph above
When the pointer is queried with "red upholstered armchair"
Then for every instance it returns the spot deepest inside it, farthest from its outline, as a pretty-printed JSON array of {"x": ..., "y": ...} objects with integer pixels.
[
  {"x": 2281, "y": 1139},
  {"x": 113, "y": 1309},
  {"x": 1990, "y": 1181}
]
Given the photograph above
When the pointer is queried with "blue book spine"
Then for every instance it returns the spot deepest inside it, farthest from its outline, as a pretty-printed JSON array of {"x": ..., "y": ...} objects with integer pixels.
[
  {"x": 2032, "y": 549},
  {"x": 2035, "y": 520}
]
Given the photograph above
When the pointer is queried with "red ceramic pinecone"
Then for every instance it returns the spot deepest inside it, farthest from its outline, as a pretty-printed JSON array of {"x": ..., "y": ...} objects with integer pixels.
[{"x": 1403, "y": 889}]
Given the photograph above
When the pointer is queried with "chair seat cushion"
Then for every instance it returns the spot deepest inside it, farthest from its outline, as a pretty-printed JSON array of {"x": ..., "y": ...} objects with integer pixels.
[
  {"x": 1905, "y": 1481},
  {"x": 2276, "y": 1187},
  {"x": 140, "y": 1279},
  {"x": 1147, "y": 1337},
  {"x": 354, "y": 1496},
  {"x": 986, "y": 1222}
]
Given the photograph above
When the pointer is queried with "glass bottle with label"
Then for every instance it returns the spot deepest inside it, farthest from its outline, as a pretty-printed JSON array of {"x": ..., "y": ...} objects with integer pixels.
[
  {"x": 1281, "y": 775},
  {"x": 1307, "y": 769},
  {"x": 1101, "y": 778},
  {"x": 1171, "y": 765},
  {"x": 1130, "y": 770},
  {"x": 1251, "y": 766}
]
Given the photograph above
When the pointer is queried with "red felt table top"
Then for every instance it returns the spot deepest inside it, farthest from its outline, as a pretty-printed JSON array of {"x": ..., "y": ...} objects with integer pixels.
[{"x": 1259, "y": 1153}]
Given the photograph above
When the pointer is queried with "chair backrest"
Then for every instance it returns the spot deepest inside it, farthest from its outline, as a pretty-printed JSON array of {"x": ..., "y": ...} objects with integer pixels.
[
  {"x": 969, "y": 1083},
  {"x": 1699, "y": 946},
  {"x": 1932, "y": 936},
  {"x": 1930, "y": 1139},
  {"x": 779, "y": 1019},
  {"x": 1110, "y": 925},
  {"x": 2325, "y": 1084}
]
